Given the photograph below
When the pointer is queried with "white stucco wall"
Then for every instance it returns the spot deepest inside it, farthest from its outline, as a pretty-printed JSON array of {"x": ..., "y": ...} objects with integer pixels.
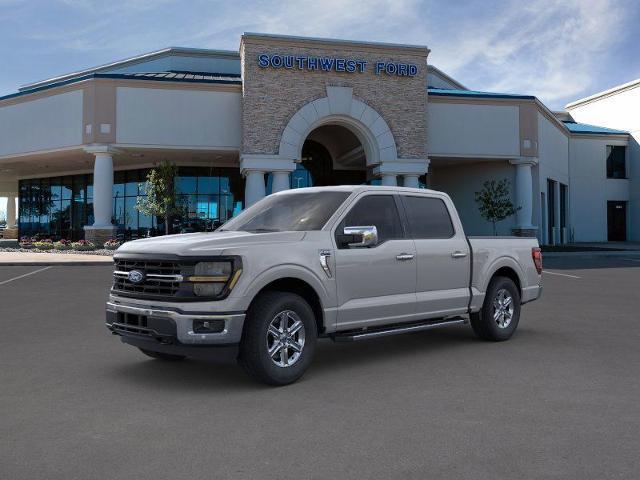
[
  {"x": 189, "y": 118},
  {"x": 461, "y": 181},
  {"x": 43, "y": 124},
  {"x": 589, "y": 189},
  {"x": 620, "y": 111},
  {"x": 471, "y": 129},
  {"x": 553, "y": 163}
]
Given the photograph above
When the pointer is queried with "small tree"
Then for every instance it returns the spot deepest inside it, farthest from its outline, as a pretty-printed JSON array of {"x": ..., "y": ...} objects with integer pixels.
[
  {"x": 161, "y": 199},
  {"x": 494, "y": 202}
]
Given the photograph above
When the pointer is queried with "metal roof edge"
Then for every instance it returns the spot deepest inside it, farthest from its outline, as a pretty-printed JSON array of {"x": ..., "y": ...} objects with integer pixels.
[
  {"x": 605, "y": 93},
  {"x": 131, "y": 61}
]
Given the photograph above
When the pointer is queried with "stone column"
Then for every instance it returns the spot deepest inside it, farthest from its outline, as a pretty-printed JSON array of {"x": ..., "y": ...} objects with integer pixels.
[
  {"x": 11, "y": 211},
  {"x": 411, "y": 181},
  {"x": 280, "y": 181},
  {"x": 389, "y": 180},
  {"x": 11, "y": 232},
  {"x": 254, "y": 165},
  {"x": 102, "y": 229},
  {"x": 524, "y": 197},
  {"x": 254, "y": 189}
]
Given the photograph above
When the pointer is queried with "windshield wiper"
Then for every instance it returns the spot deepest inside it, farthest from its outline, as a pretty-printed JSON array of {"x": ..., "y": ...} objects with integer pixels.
[{"x": 263, "y": 230}]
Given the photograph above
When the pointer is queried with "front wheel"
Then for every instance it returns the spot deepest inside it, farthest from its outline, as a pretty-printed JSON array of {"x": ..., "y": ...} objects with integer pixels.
[
  {"x": 500, "y": 313},
  {"x": 279, "y": 338}
]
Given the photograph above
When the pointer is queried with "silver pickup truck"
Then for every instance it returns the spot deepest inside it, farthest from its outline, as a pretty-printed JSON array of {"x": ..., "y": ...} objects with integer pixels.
[{"x": 346, "y": 263}]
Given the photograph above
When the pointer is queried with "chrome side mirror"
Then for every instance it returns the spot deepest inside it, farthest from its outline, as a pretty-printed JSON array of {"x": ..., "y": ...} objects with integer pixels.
[{"x": 364, "y": 236}]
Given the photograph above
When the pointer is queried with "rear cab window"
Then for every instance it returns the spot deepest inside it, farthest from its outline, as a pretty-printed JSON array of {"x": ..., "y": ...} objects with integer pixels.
[{"x": 427, "y": 217}]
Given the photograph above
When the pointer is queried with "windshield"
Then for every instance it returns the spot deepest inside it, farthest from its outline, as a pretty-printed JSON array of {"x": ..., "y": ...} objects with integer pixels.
[{"x": 279, "y": 213}]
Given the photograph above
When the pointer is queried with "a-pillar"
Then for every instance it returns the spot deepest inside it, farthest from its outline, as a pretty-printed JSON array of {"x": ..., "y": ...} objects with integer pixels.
[
  {"x": 524, "y": 196},
  {"x": 102, "y": 228}
]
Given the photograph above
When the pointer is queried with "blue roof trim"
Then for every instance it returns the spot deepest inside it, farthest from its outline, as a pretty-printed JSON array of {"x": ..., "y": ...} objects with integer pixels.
[
  {"x": 585, "y": 128},
  {"x": 225, "y": 80},
  {"x": 474, "y": 93}
]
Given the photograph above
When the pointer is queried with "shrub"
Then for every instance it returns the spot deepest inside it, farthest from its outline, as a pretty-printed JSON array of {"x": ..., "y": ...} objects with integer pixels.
[
  {"x": 83, "y": 245},
  {"x": 112, "y": 244},
  {"x": 62, "y": 245}
]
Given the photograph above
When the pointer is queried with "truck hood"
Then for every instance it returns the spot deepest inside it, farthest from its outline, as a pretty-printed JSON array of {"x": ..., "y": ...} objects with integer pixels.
[{"x": 206, "y": 243}]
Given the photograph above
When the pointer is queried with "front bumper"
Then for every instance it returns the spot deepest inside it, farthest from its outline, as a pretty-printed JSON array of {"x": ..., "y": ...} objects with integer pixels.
[{"x": 168, "y": 326}]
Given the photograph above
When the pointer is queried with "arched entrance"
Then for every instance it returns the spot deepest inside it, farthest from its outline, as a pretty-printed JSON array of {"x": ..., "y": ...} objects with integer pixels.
[{"x": 331, "y": 155}]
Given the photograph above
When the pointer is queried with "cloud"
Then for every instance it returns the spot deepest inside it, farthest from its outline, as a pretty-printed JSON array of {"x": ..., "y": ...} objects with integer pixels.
[{"x": 557, "y": 50}]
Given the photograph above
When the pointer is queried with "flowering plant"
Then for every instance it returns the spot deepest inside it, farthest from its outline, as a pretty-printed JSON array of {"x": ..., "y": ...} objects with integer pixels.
[
  {"x": 26, "y": 242},
  {"x": 112, "y": 244},
  {"x": 83, "y": 245},
  {"x": 43, "y": 244}
]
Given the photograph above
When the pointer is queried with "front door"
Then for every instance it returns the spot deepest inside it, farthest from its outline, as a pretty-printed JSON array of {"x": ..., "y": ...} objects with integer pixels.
[
  {"x": 617, "y": 221},
  {"x": 376, "y": 285}
]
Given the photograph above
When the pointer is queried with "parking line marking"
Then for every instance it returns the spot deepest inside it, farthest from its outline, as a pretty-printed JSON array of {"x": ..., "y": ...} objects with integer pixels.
[
  {"x": 25, "y": 275},
  {"x": 561, "y": 274}
]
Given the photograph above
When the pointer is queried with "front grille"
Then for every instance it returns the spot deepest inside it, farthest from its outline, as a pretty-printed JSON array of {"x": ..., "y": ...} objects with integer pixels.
[{"x": 162, "y": 278}]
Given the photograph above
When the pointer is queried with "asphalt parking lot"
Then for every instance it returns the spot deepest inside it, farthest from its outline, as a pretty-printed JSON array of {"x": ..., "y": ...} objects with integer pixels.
[{"x": 559, "y": 400}]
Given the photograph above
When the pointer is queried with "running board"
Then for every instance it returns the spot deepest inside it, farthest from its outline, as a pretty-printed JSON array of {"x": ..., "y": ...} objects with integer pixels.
[{"x": 396, "y": 330}]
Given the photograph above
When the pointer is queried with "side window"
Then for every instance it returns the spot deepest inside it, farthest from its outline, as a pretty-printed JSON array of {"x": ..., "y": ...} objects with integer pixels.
[
  {"x": 377, "y": 210},
  {"x": 428, "y": 217}
]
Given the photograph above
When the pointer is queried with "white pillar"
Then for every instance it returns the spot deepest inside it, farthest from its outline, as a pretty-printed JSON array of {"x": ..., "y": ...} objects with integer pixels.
[
  {"x": 11, "y": 212},
  {"x": 103, "y": 190},
  {"x": 411, "y": 181},
  {"x": 524, "y": 192},
  {"x": 254, "y": 189},
  {"x": 389, "y": 180},
  {"x": 280, "y": 181}
]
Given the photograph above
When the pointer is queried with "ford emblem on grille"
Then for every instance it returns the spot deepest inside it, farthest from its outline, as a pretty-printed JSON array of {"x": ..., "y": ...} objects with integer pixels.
[{"x": 136, "y": 276}]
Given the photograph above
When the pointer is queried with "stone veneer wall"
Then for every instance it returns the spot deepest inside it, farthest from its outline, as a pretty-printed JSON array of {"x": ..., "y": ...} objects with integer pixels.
[{"x": 272, "y": 96}]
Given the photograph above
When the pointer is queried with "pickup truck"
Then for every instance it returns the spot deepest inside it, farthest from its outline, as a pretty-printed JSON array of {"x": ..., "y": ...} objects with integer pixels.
[{"x": 346, "y": 263}]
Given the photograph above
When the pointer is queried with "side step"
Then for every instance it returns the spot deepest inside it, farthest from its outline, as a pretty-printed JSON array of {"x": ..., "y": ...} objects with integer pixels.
[{"x": 354, "y": 336}]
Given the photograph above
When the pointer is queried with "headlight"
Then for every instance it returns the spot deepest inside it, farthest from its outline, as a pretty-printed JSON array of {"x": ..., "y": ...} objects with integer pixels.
[{"x": 211, "y": 278}]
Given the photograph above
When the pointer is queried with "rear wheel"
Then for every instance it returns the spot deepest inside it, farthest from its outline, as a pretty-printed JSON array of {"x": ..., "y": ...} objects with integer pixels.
[
  {"x": 500, "y": 313},
  {"x": 279, "y": 338},
  {"x": 162, "y": 356}
]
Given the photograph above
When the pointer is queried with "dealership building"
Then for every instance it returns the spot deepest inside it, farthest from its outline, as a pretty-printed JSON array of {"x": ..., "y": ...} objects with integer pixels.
[{"x": 289, "y": 112}]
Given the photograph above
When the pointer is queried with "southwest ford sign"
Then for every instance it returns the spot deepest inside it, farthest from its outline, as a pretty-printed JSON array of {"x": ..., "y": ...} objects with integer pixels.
[{"x": 334, "y": 64}]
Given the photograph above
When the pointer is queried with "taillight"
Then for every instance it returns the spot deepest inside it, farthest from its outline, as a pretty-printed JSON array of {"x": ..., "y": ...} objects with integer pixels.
[{"x": 536, "y": 254}]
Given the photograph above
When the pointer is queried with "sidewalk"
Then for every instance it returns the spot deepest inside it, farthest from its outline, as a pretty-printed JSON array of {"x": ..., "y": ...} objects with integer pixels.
[{"x": 36, "y": 259}]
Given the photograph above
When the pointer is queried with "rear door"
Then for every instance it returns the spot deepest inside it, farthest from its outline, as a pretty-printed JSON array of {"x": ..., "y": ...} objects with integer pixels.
[
  {"x": 376, "y": 285},
  {"x": 442, "y": 255}
]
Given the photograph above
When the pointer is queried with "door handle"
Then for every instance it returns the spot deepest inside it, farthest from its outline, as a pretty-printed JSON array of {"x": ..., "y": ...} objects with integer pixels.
[
  {"x": 458, "y": 254},
  {"x": 404, "y": 256}
]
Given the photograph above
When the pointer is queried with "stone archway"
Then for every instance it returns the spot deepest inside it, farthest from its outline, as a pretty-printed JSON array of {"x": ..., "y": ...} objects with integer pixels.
[{"x": 339, "y": 107}]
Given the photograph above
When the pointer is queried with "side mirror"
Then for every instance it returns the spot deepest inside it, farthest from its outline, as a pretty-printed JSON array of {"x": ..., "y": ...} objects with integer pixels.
[{"x": 359, "y": 237}]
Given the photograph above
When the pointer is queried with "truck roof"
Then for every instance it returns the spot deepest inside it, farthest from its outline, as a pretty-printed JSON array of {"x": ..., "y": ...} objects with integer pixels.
[{"x": 356, "y": 188}]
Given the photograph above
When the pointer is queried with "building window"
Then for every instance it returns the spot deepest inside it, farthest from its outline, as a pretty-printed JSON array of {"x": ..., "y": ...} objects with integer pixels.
[
  {"x": 59, "y": 207},
  {"x": 616, "y": 164}
]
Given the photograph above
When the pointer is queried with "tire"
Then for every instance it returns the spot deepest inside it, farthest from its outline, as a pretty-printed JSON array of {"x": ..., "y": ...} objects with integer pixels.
[
  {"x": 162, "y": 356},
  {"x": 269, "y": 318},
  {"x": 491, "y": 325}
]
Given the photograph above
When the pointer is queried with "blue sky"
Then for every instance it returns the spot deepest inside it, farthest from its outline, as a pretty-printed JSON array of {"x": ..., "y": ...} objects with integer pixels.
[{"x": 557, "y": 50}]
